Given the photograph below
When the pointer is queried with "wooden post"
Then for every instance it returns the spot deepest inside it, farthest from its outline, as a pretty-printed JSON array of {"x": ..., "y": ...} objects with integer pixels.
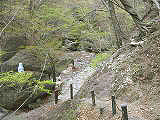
[
  {"x": 73, "y": 63},
  {"x": 56, "y": 96},
  {"x": 71, "y": 91},
  {"x": 101, "y": 110},
  {"x": 124, "y": 112},
  {"x": 54, "y": 72},
  {"x": 93, "y": 98},
  {"x": 113, "y": 106},
  {"x": 54, "y": 76}
]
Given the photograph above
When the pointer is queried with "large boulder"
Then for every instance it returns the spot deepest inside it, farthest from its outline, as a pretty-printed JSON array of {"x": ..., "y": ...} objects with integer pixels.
[
  {"x": 30, "y": 62},
  {"x": 19, "y": 87},
  {"x": 10, "y": 43},
  {"x": 3, "y": 113},
  {"x": 35, "y": 62},
  {"x": 12, "y": 99}
]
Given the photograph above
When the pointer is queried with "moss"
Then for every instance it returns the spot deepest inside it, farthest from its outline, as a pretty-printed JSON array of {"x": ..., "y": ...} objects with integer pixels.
[
  {"x": 125, "y": 19},
  {"x": 55, "y": 44},
  {"x": 99, "y": 58}
]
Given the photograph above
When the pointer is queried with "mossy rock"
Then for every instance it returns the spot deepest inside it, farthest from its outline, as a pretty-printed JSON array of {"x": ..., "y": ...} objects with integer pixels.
[
  {"x": 19, "y": 87},
  {"x": 35, "y": 62},
  {"x": 11, "y": 45}
]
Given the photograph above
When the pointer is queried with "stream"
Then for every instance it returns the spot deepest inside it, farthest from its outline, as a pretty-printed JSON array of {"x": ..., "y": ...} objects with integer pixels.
[
  {"x": 77, "y": 80},
  {"x": 76, "y": 76}
]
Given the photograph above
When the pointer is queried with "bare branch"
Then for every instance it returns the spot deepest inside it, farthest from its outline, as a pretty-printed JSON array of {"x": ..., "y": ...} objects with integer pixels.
[{"x": 12, "y": 18}]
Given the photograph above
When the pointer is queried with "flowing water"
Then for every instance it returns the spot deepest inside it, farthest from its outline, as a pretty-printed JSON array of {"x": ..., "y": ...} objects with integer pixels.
[{"x": 76, "y": 76}]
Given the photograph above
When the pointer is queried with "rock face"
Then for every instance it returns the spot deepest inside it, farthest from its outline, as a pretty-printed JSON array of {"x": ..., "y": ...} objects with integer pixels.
[
  {"x": 29, "y": 61},
  {"x": 32, "y": 62},
  {"x": 11, "y": 43},
  {"x": 12, "y": 98}
]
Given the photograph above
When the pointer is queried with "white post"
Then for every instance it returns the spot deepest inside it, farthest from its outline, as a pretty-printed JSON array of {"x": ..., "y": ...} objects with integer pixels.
[{"x": 20, "y": 67}]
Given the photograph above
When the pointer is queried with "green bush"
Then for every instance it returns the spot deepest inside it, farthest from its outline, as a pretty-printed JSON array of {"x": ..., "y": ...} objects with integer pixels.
[{"x": 22, "y": 80}]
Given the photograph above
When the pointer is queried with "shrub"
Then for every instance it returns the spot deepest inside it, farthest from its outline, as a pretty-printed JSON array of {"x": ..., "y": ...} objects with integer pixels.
[{"x": 22, "y": 80}]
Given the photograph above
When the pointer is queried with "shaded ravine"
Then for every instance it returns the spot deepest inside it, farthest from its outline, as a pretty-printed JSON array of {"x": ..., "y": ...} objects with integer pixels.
[
  {"x": 101, "y": 84},
  {"x": 77, "y": 77}
]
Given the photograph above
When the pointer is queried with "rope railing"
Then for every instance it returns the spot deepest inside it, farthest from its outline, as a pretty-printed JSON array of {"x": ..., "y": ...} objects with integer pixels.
[
  {"x": 115, "y": 107},
  {"x": 71, "y": 89}
]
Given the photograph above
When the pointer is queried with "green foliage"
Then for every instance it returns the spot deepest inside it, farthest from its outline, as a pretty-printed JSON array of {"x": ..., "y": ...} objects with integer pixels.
[
  {"x": 55, "y": 44},
  {"x": 55, "y": 17},
  {"x": 48, "y": 13},
  {"x": 99, "y": 58},
  {"x": 11, "y": 77},
  {"x": 2, "y": 52},
  {"x": 42, "y": 85},
  {"x": 19, "y": 80},
  {"x": 76, "y": 30}
]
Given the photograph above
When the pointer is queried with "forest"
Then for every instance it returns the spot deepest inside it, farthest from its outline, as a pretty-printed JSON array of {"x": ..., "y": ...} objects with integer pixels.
[{"x": 79, "y": 59}]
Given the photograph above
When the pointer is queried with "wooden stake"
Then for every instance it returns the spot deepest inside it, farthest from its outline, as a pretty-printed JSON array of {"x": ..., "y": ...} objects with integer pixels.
[
  {"x": 113, "y": 106},
  {"x": 124, "y": 112},
  {"x": 93, "y": 98},
  {"x": 71, "y": 91},
  {"x": 101, "y": 110},
  {"x": 56, "y": 96}
]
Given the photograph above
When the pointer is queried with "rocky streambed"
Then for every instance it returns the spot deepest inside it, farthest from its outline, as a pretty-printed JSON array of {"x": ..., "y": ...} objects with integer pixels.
[
  {"x": 84, "y": 79},
  {"x": 77, "y": 76}
]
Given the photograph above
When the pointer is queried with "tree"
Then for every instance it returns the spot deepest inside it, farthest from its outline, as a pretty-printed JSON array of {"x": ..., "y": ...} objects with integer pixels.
[
  {"x": 137, "y": 20},
  {"x": 115, "y": 24},
  {"x": 133, "y": 13}
]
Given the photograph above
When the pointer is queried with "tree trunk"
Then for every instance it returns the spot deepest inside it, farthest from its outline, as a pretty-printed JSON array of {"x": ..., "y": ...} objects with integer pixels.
[
  {"x": 139, "y": 23},
  {"x": 115, "y": 24},
  {"x": 31, "y": 5},
  {"x": 132, "y": 12}
]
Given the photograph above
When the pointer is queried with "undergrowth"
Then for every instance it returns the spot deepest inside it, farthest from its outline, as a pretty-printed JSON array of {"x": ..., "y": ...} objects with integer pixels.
[
  {"x": 21, "y": 80},
  {"x": 99, "y": 58}
]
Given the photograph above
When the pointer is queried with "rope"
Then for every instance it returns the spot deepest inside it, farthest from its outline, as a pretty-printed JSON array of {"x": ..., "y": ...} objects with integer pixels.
[
  {"x": 110, "y": 100},
  {"x": 75, "y": 88},
  {"x": 69, "y": 87},
  {"x": 43, "y": 67},
  {"x": 103, "y": 99}
]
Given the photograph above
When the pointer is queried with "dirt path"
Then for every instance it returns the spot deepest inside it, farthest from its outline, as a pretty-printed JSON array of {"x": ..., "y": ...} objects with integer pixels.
[
  {"x": 102, "y": 86},
  {"x": 84, "y": 80}
]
